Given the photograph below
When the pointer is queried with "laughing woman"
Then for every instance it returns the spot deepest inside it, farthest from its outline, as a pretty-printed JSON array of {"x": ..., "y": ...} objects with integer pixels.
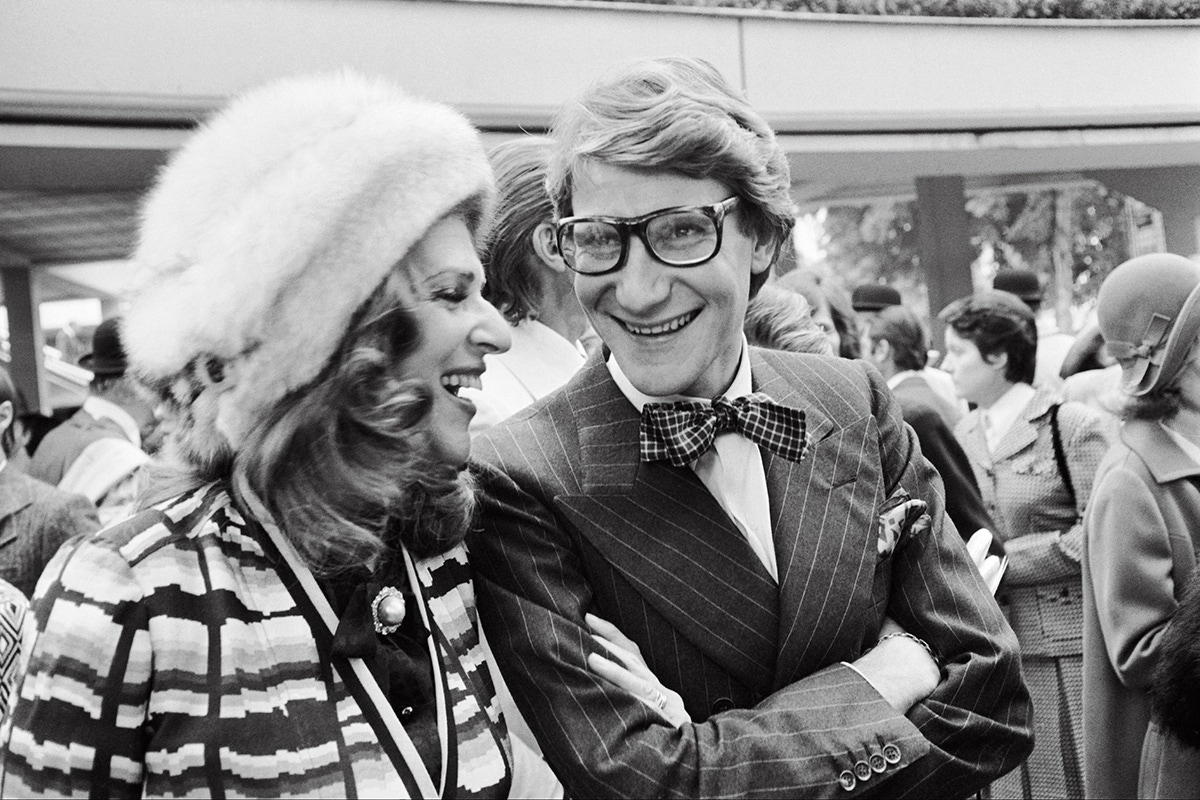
[{"x": 294, "y": 615}]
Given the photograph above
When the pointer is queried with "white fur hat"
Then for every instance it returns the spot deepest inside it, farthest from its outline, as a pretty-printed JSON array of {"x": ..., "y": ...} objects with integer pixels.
[{"x": 276, "y": 221}]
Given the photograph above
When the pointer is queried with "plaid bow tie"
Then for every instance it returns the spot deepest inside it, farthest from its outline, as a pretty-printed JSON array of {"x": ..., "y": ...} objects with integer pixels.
[{"x": 683, "y": 431}]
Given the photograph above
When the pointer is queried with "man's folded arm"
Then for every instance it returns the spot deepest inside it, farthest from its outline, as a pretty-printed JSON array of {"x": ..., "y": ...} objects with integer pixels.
[{"x": 804, "y": 740}]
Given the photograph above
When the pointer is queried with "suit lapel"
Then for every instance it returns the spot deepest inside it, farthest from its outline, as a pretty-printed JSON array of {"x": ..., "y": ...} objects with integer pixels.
[
  {"x": 661, "y": 529},
  {"x": 1023, "y": 433},
  {"x": 821, "y": 518}
]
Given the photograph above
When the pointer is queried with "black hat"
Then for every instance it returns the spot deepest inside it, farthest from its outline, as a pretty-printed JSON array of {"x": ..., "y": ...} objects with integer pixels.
[
  {"x": 874, "y": 297},
  {"x": 1023, "y": 283},
  {"x": 107, "y": 359}
]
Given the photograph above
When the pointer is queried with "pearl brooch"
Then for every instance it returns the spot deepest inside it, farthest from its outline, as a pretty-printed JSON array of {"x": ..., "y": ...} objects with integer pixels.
[{"x": 387, "y": 610}]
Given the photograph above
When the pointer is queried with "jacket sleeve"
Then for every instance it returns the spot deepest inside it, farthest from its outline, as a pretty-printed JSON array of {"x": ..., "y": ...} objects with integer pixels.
[
  {"x": 1130, "y": 563},
  {"x": 601, "y": 741},
  {"x": 77, "y": 726},
  {"x": 977, "y": 721}
]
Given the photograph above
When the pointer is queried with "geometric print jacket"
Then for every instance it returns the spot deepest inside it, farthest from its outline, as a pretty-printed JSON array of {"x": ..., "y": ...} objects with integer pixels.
[{"x": 179, "y": 655}]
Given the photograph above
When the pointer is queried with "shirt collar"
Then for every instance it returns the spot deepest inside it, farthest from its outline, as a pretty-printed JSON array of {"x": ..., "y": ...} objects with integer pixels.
[
  {"x": 100, "y": 408},
  {"x": 901, "y": 376},
  {"x": 1004, "y": 412},
  {"x": 742, "y": 383}
]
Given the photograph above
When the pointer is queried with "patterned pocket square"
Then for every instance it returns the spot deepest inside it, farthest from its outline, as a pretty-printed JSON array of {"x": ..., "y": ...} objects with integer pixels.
[{"x": 901, "y": 517}]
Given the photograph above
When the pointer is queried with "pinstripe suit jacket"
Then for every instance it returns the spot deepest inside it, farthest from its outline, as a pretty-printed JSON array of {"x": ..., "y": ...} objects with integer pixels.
[{"x": 573, "y": 523}]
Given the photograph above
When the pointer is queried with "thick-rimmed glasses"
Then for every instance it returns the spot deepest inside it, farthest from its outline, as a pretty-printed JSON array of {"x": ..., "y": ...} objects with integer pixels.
[{"x": 684, "y": 236}]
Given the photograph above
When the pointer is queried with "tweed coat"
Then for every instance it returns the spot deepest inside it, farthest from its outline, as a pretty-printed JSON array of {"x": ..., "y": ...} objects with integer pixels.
[
  {"x": 1143, "y": 534},
  {"x": 35, "y": 519},
  {"x": 180, "y": 654},
  {"x": 1027, "y": 496},
  {"x": 933, "y": 421},
  {"x": 572, "y": 523}
]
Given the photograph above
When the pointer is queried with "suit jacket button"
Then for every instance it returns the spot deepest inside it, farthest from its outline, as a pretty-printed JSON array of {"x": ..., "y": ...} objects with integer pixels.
[
  {"x": 847, "y": 780},
  {"x": 891, "y": 754},
  {"x": 722, "y": 704},
  {"x": 877, "y": 761},
  {"x": 862, "y": 771}
]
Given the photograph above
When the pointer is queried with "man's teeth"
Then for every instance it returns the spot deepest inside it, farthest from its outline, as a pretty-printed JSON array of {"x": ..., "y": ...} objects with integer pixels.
[
  {"x": 461, "y": 380},
  {"x": 666, "y": 327}
]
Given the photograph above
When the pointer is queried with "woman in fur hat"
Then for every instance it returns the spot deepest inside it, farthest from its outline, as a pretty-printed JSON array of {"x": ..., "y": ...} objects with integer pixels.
[
  {"x": 1143, "y": 531},
  {"x": 295, "y": 615}
]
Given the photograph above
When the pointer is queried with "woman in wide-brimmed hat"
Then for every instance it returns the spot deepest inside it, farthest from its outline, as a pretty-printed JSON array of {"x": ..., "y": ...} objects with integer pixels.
[
  {"x": 295, "y": 616},
  {"x": 1143, "y": 530}
]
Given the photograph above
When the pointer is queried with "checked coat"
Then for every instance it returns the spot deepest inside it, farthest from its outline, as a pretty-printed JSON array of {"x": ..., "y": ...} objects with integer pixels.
[{"x": 572, "y": 523}]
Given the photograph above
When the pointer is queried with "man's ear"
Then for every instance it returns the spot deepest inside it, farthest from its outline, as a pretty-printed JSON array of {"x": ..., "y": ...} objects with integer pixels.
[
  {"x": 880, "y": 351},
  {"x": 765, "y": 250},
  {"x": 545, "y": 244}
]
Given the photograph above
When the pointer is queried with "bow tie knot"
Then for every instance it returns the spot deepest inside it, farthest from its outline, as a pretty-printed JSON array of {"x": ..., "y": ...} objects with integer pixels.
[{"x": 682, "y": 431}]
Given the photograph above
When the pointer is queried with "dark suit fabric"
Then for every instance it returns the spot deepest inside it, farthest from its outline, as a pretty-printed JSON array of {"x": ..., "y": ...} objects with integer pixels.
[
  {"x": 933, "y": 421},
  {"x": 35, "y": 519},
  {"x": 573, "y": 523}
]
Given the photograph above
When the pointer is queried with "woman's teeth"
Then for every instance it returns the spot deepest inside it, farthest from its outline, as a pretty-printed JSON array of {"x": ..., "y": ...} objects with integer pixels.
[
  {"x": 670, "y": 326},
  {"x": 461, "y": 380}
]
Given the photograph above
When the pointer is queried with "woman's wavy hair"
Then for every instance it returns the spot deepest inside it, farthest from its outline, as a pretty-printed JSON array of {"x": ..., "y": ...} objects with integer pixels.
[
  {"x": 344, "y": 464},
  {"x": 678, "y": 115},
  {"x": 509, "y": 259},
  {"x": 997, "y": 322},
  {"x": 779, "y": 319}
]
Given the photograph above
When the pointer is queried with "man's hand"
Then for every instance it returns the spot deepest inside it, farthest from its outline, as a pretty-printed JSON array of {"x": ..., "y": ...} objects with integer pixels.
[{"x": 899, "y": 668}]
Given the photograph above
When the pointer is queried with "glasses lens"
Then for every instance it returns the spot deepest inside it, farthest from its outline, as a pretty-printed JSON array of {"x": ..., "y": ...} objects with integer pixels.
[
  {"x": 682, "y": 236},
  {"x": 591, "y": 246}
]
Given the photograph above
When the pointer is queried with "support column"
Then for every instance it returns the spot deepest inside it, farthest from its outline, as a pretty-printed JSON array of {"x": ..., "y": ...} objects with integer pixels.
[
  {"x": 25, "y": 336},
  {"x": 944, "y": 244}
]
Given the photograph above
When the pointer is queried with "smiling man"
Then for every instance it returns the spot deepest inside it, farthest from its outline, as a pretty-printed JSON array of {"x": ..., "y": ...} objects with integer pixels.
[{"x": 753, "y": 521}]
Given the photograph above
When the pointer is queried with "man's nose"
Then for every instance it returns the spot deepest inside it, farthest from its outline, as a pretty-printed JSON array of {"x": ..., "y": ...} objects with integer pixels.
[{"x": 644, "y": 281}]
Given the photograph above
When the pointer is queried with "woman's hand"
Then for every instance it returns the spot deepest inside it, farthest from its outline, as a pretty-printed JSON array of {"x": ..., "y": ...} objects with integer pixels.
[{"x": 632, "y": 674}]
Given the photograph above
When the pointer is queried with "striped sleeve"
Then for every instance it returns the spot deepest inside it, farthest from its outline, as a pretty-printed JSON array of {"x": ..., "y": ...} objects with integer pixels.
[{"x": 77, "y": 727}]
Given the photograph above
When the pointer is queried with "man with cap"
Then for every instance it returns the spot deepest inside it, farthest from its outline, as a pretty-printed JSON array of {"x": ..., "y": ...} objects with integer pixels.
[
  {"x": 750, "y": 519},
  {"x": 1053, "y": 345},
  {"x": 98, "y": 451},
  {"x": 1142, "y": 527}
]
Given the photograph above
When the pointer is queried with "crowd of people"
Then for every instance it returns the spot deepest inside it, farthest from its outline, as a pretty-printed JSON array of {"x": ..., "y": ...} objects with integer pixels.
[{"x": 526, "y": 473}]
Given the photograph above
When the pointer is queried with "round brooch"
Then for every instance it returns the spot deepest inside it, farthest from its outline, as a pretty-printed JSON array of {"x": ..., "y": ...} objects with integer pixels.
[{"x": 387, "y": 610}]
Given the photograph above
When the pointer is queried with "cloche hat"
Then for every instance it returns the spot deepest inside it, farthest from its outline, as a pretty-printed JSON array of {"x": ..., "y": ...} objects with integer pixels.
[
  {"x": 1149, "y": 312},
  {"x": 273, "y": 224}
]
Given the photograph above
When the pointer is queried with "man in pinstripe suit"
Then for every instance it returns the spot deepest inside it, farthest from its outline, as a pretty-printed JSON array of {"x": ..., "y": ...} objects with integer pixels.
[{"x": 756, "y": 561}]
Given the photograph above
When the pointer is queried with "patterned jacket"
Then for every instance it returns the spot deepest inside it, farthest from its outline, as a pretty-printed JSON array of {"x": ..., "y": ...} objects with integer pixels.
[{"x": 180, "y": 653}]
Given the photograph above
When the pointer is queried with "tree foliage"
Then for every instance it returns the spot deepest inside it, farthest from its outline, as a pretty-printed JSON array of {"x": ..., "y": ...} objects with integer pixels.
[{"x": 1011, "y": 9}]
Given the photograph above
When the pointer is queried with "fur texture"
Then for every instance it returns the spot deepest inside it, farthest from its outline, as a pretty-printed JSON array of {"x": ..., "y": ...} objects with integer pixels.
[
  {"x": 1175, "y": 691},
  {"x": 272, "y": 225}
]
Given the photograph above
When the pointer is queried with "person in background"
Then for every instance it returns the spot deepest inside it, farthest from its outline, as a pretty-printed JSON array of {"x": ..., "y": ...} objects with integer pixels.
[
  {"x": 294, "y": 613},
  {"x": 759, "y": 523},
  {"x": 531, "y": 285},
  {"x": 1034, "y": 459},
  {"x": 898, "y": 347},
  {"x": 806, "y": 285},
  {"x": 98, "y": 451},
  {"x": 1092, "y": 376},
  {"x": 35, "y": 518},
  {"x": 782, "y": 320},
  {"x": 1143, "y": 529},
  {"x": 1053, "y": 344},
  {"x": 844, "y": 320},
  {"x": 867, "y": 300}
]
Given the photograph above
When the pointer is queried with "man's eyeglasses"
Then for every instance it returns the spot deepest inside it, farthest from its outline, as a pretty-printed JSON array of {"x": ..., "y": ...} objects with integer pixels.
[{"x": 685, "y": 236}]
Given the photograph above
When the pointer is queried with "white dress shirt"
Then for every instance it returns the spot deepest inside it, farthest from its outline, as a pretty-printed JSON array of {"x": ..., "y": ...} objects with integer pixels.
[
  {"x": 732, "y": 470},
  {"x": 999, "y": 417}
]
